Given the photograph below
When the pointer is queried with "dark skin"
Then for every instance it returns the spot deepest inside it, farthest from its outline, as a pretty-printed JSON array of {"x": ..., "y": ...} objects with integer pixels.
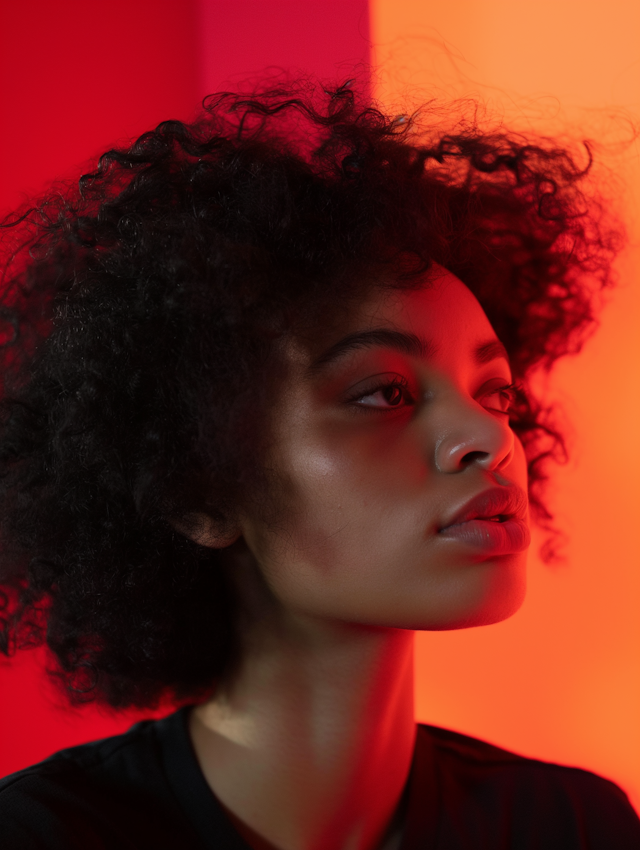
[{"x": 375, "y": 448}]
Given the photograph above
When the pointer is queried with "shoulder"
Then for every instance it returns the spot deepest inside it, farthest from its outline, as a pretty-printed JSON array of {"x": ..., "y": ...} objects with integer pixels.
[
  {"x": 96, "y": 762},
  {"x": 89, "y": 795},
  {"x": 530, "y": 794}
]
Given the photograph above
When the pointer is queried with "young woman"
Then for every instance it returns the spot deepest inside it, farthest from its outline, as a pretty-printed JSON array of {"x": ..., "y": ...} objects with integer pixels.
[{"x": 266, "y": 412}]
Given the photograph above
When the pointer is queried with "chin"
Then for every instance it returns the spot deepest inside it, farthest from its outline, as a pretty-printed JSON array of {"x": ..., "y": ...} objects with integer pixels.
[
  {"x": 487, "y": 596},
  {"x": 503, "y": 598}
]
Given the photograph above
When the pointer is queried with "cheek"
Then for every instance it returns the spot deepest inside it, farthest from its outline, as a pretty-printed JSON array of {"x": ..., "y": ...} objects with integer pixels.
[
  {"x": 332, "y": 500},
  {"x": 345, "y": 522},
  {"x": 338, "y": 492},
  {"x": 351, "y": 538}
]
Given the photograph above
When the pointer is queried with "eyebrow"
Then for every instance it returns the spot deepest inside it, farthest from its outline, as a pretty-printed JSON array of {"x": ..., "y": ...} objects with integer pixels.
[
  {"x": 403, "y": 341},
  {"x": 490, "y": 350}
]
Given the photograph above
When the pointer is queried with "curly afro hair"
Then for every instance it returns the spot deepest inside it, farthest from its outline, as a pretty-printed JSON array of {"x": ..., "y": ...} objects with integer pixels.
[{"x": 139, "y": 317}]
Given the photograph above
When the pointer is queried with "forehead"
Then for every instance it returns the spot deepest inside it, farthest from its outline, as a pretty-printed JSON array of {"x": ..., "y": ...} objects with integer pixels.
[{"x": 441, "y": 310}]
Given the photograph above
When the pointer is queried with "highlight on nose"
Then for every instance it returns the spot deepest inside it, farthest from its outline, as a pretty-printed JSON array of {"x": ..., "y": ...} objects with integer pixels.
[{"x": 485, "y": 442}]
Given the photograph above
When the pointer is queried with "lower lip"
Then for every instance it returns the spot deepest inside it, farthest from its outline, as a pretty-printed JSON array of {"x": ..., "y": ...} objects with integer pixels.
[{"x": 499, "y": 538}]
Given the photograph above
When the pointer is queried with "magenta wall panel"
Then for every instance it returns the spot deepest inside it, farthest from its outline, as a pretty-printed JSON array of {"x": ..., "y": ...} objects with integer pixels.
[{"x": 327, "y": 38}]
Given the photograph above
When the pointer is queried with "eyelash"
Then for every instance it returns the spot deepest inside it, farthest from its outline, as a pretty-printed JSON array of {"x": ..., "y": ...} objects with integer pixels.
[
  {"x": 507, "y": 392},
  {"x": 397, "y": 383}
]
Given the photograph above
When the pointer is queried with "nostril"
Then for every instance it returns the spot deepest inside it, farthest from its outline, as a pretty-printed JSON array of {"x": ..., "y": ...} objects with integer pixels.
[{"x": 474, "y": 457}]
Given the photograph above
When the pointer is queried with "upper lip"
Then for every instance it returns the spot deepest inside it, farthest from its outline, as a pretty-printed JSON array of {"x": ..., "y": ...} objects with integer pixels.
[{"x": 496, "y": 502}]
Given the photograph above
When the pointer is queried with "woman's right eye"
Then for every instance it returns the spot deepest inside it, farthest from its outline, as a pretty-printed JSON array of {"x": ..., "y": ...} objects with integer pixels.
[{"x": 389, "y": 395}]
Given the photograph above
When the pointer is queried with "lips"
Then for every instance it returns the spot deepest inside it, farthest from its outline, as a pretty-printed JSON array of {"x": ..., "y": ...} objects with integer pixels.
[
  {"x": 497, "y": 503},
  {"x": 494, "y": 520}
]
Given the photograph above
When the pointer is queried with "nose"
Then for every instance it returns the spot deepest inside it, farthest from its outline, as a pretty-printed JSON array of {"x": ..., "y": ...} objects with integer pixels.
[{"x": 468, "y": 434}]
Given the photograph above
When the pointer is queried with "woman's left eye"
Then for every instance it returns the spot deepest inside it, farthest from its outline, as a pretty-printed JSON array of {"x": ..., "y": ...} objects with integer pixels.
[{"x": 502, "y": 398}]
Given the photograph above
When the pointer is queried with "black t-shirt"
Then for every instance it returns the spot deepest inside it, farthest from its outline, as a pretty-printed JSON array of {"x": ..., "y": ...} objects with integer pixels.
[{"x": 145, "y": 789}]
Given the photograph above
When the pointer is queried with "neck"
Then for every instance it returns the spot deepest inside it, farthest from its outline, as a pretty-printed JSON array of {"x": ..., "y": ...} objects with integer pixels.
[{"x": 309, "y": 747}]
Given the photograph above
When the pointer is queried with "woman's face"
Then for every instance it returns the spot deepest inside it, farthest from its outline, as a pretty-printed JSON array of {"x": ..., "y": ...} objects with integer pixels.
[{"x": 391, "y": 422}]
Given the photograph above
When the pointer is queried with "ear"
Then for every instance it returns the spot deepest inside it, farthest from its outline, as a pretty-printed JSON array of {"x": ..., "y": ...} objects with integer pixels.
[{"x": 204, "y": 530}]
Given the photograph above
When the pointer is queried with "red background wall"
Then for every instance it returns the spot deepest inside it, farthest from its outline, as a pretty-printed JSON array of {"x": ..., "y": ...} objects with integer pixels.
[
  {"x": 76, "y": 77},
  {"x": 560, "y": 680}
]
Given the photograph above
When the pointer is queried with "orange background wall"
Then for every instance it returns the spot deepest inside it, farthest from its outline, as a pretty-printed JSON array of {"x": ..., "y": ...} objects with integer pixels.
[{"x": 561, "y": 680}]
